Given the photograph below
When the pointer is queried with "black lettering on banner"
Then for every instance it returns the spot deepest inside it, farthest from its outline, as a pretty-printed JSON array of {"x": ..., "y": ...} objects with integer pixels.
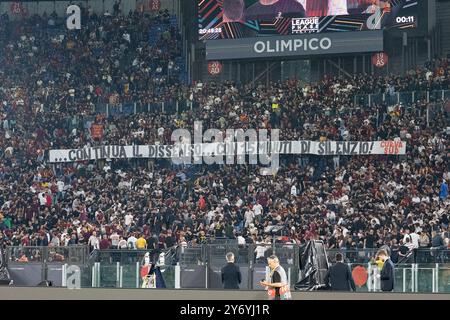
[
  {"x": 354, "y": 146},
  {"x": 106, "y": 152},
  {"x": 365, "y": 148},
  {"x": 96, "y": 150},
  {"x": 87, "y": 154},
  {"x": 321, "y": 149},
  {"x": 270, "y": 147},
  {"x": 115, "y": 151},
  {"x": 330, "y": 148},
  {"x": 136, "y": 151},
  {"x": 72, "y": 155},
  {"x": 345, "y": 147},
  {"x": 178, "y": 151},
  {"x": 273, "y": 146},
  {"x": 160, "y": 151},
  {"x": 304, "y": 147},
  {"x": 339, "y": 148},
  {"x": 229, "y": 149},
  {"x": 123, "y": 154},
  {"x": 283, "y": 149},
  {"x": 289, "y": 147},
  {"x": 151, "y": 151},
  {"x": 192, "y": 148}
]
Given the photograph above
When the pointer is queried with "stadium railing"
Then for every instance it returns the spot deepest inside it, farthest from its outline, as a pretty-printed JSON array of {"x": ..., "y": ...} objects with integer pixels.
[
  {"x": 63, "y": 254},
  {"x": 130, "y": 108},
  {"x": 176, "y": 106},
  {"x": 200, "y": 266},
  {"x": 401, "y": 97}
]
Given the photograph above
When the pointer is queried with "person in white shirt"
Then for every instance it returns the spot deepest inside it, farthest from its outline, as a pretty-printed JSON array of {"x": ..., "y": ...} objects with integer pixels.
[
  {"x": 93, "y": 241},
  {"x": 210, "y": 216},
  {"x": 415, "y": 244},
  {"x": 131, "y": 242},
  {"x": 60, "y": 184},
  {"x": 239, "y": 202},
  {"x": 114, "y": 239},
  {"x": 42, "y": 199},
  {"x": 331, "y": 216},
  {"x": 293, "y": 190},
  {"x": 122, "y": 243},
  {"x": 249, "y": 216},
  {"x": 55, "y": 242},
  {"x": 260, "y": 251},
  {"x": 128, "y": 219},
  {"x": 241, "y": 240},
  {"x": 258, "y": 209}
]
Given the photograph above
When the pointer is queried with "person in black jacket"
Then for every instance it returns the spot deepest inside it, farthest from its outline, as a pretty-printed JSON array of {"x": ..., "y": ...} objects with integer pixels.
[
  {"x": 339, "y": 276},
  {"x": 231, "y": 275},
  {"x": 387, "y": 273}
]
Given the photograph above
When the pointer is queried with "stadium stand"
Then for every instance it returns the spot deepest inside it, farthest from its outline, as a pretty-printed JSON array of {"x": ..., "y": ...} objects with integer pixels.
[{"x": 129, "y": 83}]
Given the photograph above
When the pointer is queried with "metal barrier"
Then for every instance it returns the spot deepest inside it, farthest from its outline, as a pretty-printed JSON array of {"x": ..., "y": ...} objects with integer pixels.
[
  {"x": 200, "y": 266},
  {"x": 70, "y": 254},
  {"x": 401, "y": 97},
  {"x": 129, "y": 108},
  {"x": 289, "y": 253}
]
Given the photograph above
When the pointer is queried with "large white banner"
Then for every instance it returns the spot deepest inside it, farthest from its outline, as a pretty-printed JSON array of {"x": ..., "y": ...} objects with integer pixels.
[{"x": 325, "y": 148}]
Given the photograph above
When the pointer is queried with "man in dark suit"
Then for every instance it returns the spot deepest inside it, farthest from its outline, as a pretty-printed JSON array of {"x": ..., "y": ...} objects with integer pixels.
[
  {"x": 387, "y": 273},
  {"x": 231, "y": 275},
  {"x": 339, "y": 276}
]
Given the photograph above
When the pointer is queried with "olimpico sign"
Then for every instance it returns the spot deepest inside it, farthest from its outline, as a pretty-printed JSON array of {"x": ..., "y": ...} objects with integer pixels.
[{"x": 295, "y": 45}]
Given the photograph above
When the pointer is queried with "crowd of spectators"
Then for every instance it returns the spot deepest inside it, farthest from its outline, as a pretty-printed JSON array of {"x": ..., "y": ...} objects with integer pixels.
[{"x": 48, "y": 84}]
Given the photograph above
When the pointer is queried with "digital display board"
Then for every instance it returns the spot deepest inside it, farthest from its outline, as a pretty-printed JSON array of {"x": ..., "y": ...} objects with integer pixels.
[{"x": 233, "y": 19}]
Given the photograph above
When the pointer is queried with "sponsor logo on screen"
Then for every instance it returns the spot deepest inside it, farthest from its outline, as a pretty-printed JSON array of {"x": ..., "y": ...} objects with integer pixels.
[{"x": 305, "y": 25}]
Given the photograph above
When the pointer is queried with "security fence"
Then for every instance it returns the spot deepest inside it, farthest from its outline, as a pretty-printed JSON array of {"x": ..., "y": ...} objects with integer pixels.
[
  {"x": 200, "y": 266},
  {"x": 170, "y": 107},
  {"x": 401, "y": 97}
]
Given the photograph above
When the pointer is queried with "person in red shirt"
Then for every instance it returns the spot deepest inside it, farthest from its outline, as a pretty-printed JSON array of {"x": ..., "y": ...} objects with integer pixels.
[
  {"x": 202, "y": 203},
  {"x": 104, "y": 243},
  {"x": 48, "y": 199}
]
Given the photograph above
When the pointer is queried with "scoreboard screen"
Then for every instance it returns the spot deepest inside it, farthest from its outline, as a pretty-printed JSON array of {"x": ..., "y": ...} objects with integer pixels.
[{"x": 233, "y": 19}]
